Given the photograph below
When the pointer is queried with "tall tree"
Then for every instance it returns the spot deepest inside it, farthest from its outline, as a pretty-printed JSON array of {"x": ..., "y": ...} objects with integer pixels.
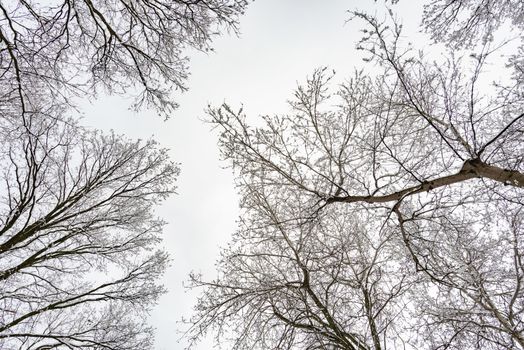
[
  {"x": 61, "y": 48},
  {"x": 336, "y": 282},
  {"x": 78, "y": 265},
  {"x": 466, "y": 22},
  {"x": 424, "y": 167}
]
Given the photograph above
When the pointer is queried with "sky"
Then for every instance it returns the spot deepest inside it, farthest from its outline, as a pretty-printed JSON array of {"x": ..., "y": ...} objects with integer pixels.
[{"x": 281, "y": 42}]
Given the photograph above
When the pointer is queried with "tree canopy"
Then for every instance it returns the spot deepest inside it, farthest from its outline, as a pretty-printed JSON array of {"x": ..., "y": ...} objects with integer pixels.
[
  {"x": 57, "y": 49},
  {"x": 382, "y": 214},
  {"x": 79, "y": 241},
  {"x": 78, "y": 263}
]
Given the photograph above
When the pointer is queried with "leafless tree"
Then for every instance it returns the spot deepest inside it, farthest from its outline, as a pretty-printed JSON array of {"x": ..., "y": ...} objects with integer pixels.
[
  {"x": 78, "y": 263},
  {"x": 430, "y": 157},
  {"x": 334, "y": 283},
  {"x": 465, "y": 22},
  {"x": 69, "y": 47}
]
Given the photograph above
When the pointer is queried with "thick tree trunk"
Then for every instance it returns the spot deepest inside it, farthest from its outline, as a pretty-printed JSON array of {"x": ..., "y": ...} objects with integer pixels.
[
  {"x": 471, "y": 169},
  {"x": 505, "y": 176}
]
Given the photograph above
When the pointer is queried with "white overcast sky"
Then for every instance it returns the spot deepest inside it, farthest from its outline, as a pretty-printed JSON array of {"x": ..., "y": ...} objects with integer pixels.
[{"x": 281, "y": 42}]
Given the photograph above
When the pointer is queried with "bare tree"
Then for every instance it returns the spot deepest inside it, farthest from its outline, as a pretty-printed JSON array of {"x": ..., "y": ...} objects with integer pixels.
[
  {"x": 68, "y": 47},
  {"x": 429, "y": 158},
  {"x": 78, "y": 263},
  {"x": 334, "y": 283},
  {"x": 475, "y": 300},
  {"x": 465, "y": 22}
]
